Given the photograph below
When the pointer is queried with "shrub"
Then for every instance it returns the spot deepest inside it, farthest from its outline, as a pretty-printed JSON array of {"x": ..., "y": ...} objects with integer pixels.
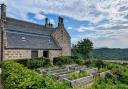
[
  {"x": 16, "y": 76},
  {"x": 102, "y": 69},
  {"x": 100, "y": 64},
  {"x": 62, "y": 60},
  {"x": 77, "y": 60},
  {"x": 35, "y": 63},
  {"x": 22, "y": 61},
  {"x": 89, "y": 63}
]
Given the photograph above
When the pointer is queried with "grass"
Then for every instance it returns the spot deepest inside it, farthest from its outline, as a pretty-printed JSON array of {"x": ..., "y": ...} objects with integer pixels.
[{"x": 77, "y": 75}]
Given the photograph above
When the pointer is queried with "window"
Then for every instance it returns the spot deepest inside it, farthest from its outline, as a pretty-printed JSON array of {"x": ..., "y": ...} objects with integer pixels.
[
  {"x": 46, "y": 54},
  {"x": 34, "y": 54}
]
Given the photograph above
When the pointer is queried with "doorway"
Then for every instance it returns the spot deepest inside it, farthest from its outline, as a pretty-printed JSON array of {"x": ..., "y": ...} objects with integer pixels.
[{"x": 46, "y": 54}]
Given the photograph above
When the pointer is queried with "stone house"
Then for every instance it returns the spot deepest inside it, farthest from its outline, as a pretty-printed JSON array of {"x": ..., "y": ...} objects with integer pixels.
[{"x": 21, "y": 39}]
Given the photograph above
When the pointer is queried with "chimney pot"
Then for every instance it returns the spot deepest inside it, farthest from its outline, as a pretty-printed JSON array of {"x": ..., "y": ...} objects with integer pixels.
[
  {"x": 60, "y": 23},
  {"x": 46, "y": 22},
  {"x": 3, "y": 12}
]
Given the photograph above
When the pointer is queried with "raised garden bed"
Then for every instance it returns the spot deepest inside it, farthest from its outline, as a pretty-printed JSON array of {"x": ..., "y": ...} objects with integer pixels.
[
  {"x": 77, "y": 75},
  {"x": 81, "y": 81},
  {"x": 103, "y": 74},
  {"x": 74, "y": 74}
]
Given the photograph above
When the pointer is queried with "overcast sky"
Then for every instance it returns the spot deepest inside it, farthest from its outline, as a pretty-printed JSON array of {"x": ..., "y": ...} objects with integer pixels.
[{"x": 105, "y": 22}]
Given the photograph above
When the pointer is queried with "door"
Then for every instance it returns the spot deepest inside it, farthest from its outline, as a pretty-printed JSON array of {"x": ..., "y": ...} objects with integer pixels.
[
  {"x": 34, "y": 54},
  {"x": 46, "y": 54}
]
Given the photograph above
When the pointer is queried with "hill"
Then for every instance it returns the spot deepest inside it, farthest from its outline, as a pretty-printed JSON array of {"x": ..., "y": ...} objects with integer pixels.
[{"x": 111, "y": 53}]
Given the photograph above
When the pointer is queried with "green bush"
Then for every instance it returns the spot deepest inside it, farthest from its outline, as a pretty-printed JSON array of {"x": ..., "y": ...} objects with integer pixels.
[
  {"x": 23, "y": 61},
  {"x": 118, "y": 79},
  {"x": 100, "y": 64},
  {"x": 35, "y": 63},
  {"x": 62, "y": 60},
  {"x": 102, "y": 69},
  {"x": 16, "y": 76},
  {"x": 107, "y": 83}
]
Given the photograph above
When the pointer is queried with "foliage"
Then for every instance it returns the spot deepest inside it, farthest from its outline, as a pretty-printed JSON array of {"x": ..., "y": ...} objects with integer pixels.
[
  {"x": 95, "y": 63},
  {"x": 118, "y": 79},
  {"x": 109, "y": 82},
  {"x": 102, "y": 69},
  {"x": 102, "y": 83},
  {"x": 84, "y": 47},
  {"x": 16, "y": 76},
  {"x": 35, "y": 63},
  {"x": 77, "y": 75},
  {"x": 100, "y": 63},
  {"x": 62, "y": 60}
]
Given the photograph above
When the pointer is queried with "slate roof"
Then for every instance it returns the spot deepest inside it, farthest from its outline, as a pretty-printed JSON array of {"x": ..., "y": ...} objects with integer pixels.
[{"x": 26, "y": 35}]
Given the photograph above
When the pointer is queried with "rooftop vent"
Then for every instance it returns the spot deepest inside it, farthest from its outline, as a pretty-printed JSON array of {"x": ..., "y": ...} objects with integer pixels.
[{"x": 23, "y": 38}]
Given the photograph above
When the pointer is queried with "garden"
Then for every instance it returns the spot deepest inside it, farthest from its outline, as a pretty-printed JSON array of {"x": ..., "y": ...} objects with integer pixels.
[{"x": 68, "y": 72}]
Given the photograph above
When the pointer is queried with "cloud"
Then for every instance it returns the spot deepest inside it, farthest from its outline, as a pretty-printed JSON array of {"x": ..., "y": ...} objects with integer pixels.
[
  {"x": 108, "y": 18},
  {"x": 69, "y": 28},
  {"x": 52, "y": 21},
  {"x": 91, "y": 10},
  {"x": 84, "y": 28},
  {"x": 109, "y": 38}
]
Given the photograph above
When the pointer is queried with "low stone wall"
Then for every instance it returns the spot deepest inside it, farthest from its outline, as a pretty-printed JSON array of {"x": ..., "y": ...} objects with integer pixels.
[
  {"x": 81, "y": 81},
  {"x": 93, "y": 71},
  {"x": 60, "y": 77},
  {"x": 103, "y": 74}
]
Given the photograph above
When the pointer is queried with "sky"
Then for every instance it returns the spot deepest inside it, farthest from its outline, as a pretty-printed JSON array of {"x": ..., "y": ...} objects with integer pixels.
[{"x": 104, "y": 22}]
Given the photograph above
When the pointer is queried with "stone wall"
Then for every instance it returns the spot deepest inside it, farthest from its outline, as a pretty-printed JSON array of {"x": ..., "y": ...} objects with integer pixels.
[
  {"x": 81, "y": 81},
  {"x": 22, "y": 53},
  {"x": 0, "y": 43},
  {"x": 55, "y": 53},
  {"x": 64, "y": 41},
  {"x": 16, "y": 54},
  {"x": 40, "y": 53},
  {"x": 103, "y": 74}
]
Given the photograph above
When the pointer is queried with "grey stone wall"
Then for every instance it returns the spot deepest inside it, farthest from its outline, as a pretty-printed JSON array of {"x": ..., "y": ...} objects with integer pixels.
[
  {"x": 22, "y": 53},
  {"x": 55, "y": 53},
  {"x": 64, "y": 41},
  {"x": 0, "y": 43},
  {"x": 103, "y": 74},
  {"x": 10, "y": 54}
]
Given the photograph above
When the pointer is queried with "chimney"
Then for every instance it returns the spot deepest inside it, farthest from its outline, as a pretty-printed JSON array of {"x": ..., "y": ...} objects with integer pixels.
[
  {"x": 3, "y": 12},
  {"x": 46, "y": 22},
  {"x": 60, "y": 23}
]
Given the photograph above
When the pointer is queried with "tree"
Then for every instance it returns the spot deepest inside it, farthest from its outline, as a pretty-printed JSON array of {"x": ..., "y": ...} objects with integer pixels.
[{"x": 84, "y": 47}]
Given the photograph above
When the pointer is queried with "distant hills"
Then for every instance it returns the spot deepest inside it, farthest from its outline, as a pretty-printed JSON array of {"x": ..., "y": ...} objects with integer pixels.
[{"x": 111, "y": 53}]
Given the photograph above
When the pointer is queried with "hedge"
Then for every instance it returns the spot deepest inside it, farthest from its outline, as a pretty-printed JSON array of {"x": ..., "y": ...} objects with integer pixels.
[
  {"x": 16, "y": 76},
  {"x": 35, "y": 63},
  {"x": 62, "y": 60}
]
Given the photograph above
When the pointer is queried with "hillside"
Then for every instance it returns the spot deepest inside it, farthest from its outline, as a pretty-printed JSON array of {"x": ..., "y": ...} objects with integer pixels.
[{"x": 111, "y": 53}]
